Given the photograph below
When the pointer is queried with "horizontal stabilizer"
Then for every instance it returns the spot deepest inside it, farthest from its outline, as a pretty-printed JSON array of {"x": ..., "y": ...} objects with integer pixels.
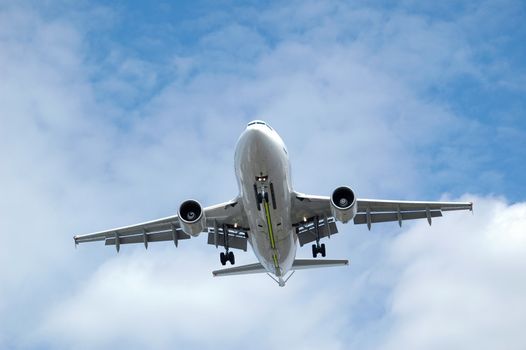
[
  {"x": 240, "y": 270},
  {"x": 301, "y": 264}
]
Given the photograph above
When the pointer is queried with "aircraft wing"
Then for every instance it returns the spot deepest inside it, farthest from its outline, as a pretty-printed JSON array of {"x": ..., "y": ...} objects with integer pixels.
[
  {"x": 375, "y": 210},
  {"x": 369, "y": 211},
  {"x": 226, "y": 217}
]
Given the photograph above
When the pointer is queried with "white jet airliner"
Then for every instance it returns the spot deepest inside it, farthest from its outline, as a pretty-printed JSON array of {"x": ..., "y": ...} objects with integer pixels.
[{"x": 269, "y": 214}]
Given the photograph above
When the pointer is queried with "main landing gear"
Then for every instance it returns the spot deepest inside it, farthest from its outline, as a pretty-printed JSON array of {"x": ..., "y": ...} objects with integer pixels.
[
  {"x": 227, "y": 256},
  {"x": 317, "y": 248}
]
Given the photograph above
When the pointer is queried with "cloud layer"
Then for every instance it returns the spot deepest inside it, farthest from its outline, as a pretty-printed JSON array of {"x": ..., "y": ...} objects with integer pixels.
[
  {"x": 460, "y": 286},
  {"x": 456, "y": 285}
]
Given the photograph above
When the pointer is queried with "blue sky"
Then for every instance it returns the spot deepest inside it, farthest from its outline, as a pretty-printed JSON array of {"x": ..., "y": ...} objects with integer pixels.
[
  {"x": 115, "y": 113},
  {"x": 479, "y": 47}
]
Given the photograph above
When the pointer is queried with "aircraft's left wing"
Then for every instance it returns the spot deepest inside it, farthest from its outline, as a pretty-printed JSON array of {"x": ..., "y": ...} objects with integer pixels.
[
  {"x": 222, "y": 218},
  {"x": 377, "y": 210},
  {"x": 307, "y": 207}
]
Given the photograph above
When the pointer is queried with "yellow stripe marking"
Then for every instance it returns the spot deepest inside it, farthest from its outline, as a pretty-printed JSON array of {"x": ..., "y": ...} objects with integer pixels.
[
  {"x": 271, "y": 235},
  {"x": 269, "y": 224}
]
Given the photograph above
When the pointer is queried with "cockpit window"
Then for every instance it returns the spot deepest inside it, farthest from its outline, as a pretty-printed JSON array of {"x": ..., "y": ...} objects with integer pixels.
[{"x": 257, "y": 122}]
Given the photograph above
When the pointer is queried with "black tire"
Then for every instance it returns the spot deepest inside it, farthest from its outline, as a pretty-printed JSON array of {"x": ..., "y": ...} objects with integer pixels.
[
  {"x": 260, "y": 198},
  {"x": 314, "y": 251},
  {"x": 266, "y": 197},
  {"x": 322, "y": 250},
  {"x": 231, "y": 258},
  {"x": 222, "y": 257}
]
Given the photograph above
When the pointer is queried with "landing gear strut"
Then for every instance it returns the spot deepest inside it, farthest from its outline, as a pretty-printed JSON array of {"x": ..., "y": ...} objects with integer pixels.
[
  {"x": 227, "y": 255},
  {"x": 318, "y": 248},
  {"x": 262, "y": 197}
]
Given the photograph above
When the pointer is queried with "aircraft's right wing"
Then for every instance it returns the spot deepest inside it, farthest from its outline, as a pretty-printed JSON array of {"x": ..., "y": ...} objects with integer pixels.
[{"x": 222, "y": 218}]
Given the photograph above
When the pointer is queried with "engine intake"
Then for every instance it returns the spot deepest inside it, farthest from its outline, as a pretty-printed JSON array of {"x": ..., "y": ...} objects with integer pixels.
[
  {"x": 343, "y": 204},
  {"x": 192, "y": 218}
]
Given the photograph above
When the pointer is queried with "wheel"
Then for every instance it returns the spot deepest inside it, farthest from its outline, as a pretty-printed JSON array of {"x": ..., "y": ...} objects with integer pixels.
[
  {"x": 322, "y": 250},
  {"x": 260, "y": 198},
  {"x": 266, "y": 197},
  {"x": 223, "y": 258},
  {"x": 231, "y": 258},
  {"x": 314, "y": 251}
]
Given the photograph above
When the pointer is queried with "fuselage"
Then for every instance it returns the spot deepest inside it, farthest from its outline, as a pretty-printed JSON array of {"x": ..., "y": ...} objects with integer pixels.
[{"x": 263, "y": 176}]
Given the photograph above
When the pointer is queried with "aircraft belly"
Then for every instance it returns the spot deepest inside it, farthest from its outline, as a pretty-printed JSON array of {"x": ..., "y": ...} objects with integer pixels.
[
  {"x": 278, "y": 258},
  {"x": 271, "y": 235}
]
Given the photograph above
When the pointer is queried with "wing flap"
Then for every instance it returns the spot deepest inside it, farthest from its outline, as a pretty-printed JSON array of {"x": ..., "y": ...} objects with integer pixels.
[
  {"x": 151, "y": 237},
  {"x": 307, "y": 233},
  {"x": 234, "y": 241},
  {"x": 378, "y": 205},
  {"x": 385, "y": 217},
  {"x": 163, "y": 224}
]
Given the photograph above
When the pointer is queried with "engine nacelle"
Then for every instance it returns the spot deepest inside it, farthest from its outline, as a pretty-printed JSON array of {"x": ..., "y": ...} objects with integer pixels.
[
  {"x": 192, "y": 217},
  {"x": 343, "y": 204}
]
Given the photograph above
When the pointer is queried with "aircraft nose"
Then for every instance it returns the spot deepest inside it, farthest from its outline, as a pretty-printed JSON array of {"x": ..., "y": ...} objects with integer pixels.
[
  {"x": 257, "y": 141},
  {"x": 255, "y": 130},
  {"x": 256, "y": 136}
]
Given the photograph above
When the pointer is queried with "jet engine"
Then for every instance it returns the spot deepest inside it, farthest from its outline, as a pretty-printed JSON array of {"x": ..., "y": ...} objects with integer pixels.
[
  {"x": 343, "y": 204},
  {"x": 192, "y": 218}
]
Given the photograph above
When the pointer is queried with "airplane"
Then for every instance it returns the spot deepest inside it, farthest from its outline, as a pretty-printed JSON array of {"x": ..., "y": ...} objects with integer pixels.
[{"x": 269, "y": 215}]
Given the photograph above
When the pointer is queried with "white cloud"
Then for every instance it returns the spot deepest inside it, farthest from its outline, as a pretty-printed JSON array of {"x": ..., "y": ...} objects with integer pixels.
[
  {"x": 460, "y": 286},
  {"x": 456, "y": 285},
  {"x": 166, "y": 300}
]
